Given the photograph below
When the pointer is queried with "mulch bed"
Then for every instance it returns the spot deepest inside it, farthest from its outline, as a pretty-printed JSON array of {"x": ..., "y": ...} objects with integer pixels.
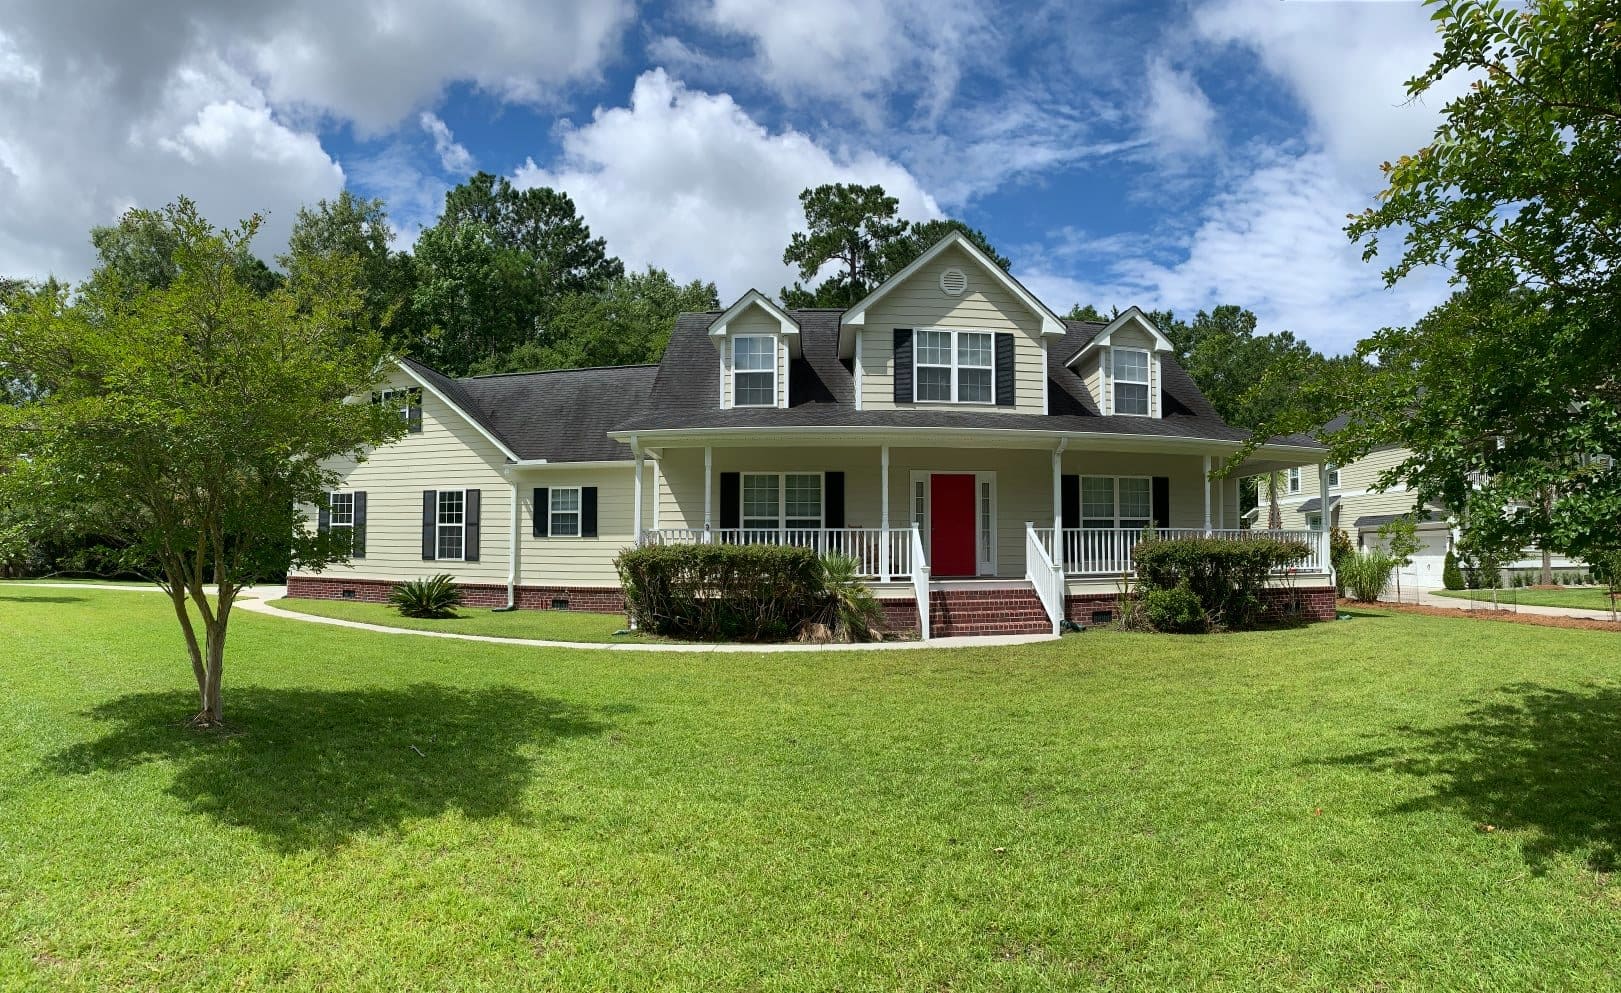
[{"x": 1484, "y": 612}]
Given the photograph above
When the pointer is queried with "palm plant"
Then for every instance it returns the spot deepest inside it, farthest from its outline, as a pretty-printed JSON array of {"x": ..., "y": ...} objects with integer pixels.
[
  {"x": 851, "y": 613},
  {"x": 434, "y": 597}
]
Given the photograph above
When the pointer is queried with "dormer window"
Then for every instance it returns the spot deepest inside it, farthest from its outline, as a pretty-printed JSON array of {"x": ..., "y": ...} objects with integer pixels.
[
  {"x": 1131, "y": 381},
  {"x": 955, "y": 367},
  {"x": 754, "y": 371}
]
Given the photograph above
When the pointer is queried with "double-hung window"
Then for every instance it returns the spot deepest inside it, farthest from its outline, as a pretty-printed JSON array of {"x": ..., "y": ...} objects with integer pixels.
[
  {"x": 564, "y": 512},
  {"x": 773, "y": 500},
  {"x": 1294, "y": 480},
  {"x": 1130, "y": 381},
  {"x": 1117, "y": 501},
  {"x": 754, "y": 371},
  {"x": 341, "y": 515},
  {"x": 451, "y": 531},
  {"x": 954, "y": 367},
  {"x": 407, "y": 400},
  {"x": 1333, "y": 476}
]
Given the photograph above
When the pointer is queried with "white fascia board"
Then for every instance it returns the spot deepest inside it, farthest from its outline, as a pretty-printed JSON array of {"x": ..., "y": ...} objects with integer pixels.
[
  {"x": 789, "y": 327},
  {"x": 1131, "y": 315}
]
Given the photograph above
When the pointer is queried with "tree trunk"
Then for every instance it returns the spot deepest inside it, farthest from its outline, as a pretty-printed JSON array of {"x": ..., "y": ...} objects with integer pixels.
[
  {"x": 1547, "y": 566},
  {"x": 1274, "y": 515}
]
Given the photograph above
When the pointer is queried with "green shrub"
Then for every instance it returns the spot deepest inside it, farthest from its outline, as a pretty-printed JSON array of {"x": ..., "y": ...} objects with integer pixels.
[
  {"x": 1176, "y": 610},
  {"x": 1227, "y": 575},
  {"x": 722, "y": 592},
  {"x": 433, "y": 597},
  {"x": 1367, "y": 575},
  {"x": 1451, "y": 575},
  {"x": 850, "y": 612},
  {"x": 1339, "y": 546}
]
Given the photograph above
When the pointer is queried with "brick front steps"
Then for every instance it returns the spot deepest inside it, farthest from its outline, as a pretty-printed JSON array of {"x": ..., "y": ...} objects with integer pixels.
[{"x": 955, "y": 613}]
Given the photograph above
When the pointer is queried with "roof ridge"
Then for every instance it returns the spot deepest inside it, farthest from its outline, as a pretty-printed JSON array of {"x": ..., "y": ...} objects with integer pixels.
[{"x": 542, "y": 372}]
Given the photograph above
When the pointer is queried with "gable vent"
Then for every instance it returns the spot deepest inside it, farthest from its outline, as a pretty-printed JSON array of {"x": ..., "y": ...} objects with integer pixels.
[{"x": 953, "y": 282}]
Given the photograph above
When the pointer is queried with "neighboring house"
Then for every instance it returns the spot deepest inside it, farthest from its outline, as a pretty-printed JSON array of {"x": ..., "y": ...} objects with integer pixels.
[
  {"x": 990, "y": 464},
  {"x": 1356, "y": 507}
]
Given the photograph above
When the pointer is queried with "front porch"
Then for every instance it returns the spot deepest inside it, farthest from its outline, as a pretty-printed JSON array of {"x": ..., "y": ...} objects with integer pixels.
[{"x": 932, "y": 524}]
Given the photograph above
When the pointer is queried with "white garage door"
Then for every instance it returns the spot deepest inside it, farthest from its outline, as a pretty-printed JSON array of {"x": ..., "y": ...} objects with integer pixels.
[{"x": 1428, "y": 561}]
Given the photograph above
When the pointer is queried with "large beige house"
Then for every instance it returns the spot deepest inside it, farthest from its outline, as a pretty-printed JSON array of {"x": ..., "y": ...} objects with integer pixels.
[
  {"x": 1359, "y": 507},
  {"x": 990, "y": 464}
]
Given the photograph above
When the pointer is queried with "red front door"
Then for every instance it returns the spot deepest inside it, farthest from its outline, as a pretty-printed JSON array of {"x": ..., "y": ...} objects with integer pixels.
[{"x": 951, "y": 525}]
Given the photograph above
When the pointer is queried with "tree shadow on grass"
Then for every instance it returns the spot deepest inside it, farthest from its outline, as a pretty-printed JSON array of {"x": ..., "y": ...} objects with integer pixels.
[
  {"x": 42, "y": 598},
  {"x": 307, "y": 768},
  {"x": 1537, "y": 758}
]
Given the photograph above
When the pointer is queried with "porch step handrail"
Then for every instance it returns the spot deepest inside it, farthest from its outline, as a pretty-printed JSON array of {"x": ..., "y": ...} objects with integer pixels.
[
  {"x": 920, "y": 580},
  {"x": 1107, "y": 551},
  {"x": 1044, "y": 575},
  {"x": 884, "y": 555}
]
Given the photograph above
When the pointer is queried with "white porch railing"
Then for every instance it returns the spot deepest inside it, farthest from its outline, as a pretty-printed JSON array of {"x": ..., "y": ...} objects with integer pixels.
[
  {"x": 920, "y": 581},
  {"x": 1044, "y": 575},
  {"x": 1107, "y": 551},
  {"x": 884, "y": 554}
]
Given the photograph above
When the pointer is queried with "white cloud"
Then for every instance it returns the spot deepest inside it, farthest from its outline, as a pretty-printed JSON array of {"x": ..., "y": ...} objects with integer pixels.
[
  {"x": 1347, "y": 64},
  {"x": 861, "y": 52},
  {"x": 686, "y": 180},
  {"x": 453, "y": 156},
  {"x": 71, "y": 157},
  {"x": 1274, "y": 244},
  {"x": 1178, "y": 118}
]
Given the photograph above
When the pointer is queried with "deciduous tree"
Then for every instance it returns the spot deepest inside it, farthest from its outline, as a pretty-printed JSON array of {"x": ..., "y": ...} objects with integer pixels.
[{"x": 196, "y": 414}]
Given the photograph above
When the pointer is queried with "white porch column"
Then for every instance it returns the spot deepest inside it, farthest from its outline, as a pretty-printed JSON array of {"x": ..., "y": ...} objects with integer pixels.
[
  {"x": 709, "y": 464},
  {"x": 1207, "y": 493},
  {"x": 884, "y": 540},
  {"x": 1221, "y": 506},
  {"x": 1058, "y": 495},
  {"x": 1328, "y": 520},
  {"x": 656, "y": 476},
  {"x": 636, "y": 514}
]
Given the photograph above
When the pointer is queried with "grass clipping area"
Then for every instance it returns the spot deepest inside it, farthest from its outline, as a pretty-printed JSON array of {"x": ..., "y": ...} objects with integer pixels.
[{"x": 1393, "y": 802}]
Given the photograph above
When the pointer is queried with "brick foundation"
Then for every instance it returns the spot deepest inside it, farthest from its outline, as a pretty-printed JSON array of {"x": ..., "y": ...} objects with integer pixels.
[
  {"x": 589, "y": 599},
  {"x": 1317, "y": 603},
  {"x": 900, "y": 616}
]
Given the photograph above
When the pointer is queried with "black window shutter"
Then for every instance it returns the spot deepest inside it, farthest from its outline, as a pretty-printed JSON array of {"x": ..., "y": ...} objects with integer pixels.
[
  {"x": 323, "y": 514},
  {"x": 358, "y": 549},
  {"x": 543, "y": 507},
  {"x": 731, "y": 500},
  {"x": 1162, "y": 502},
  {"x": 588, "y": 511},
  {"x": 470, "y": 537},
  {"x": 413, "y": 411},
  {"x": 834, "y": 496},
  {"x": 1070, "y": 500},
  {"x": 430, "y": 518},
  {"x": 903, "y": 365},
  {"x": 1004, "y": 370}
]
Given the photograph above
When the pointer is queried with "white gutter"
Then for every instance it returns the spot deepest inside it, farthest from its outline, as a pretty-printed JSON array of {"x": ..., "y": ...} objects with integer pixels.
[{"x": 512, "y": 547}]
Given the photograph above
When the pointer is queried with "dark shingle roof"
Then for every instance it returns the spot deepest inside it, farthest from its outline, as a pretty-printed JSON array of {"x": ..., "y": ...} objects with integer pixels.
[
  {"x": 561, "y": 415},
  {"x": 1380, "y": 520},
  {"x": 686, "y": 393}
]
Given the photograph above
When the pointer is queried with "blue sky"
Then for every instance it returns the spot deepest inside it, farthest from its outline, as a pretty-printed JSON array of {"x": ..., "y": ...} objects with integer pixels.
[{"x": 1172, "y": 155}]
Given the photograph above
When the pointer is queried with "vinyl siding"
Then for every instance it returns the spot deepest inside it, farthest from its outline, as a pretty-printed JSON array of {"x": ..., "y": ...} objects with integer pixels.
[
  {"x": 449, "y": 453},
  {"x": 1355, "y": 500},
  {"x": 581, "y": 561},
  {"x": 919, "y": 303}
]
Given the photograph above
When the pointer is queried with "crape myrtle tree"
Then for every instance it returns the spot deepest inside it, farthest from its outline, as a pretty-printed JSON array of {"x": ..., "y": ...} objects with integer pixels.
[
  {"x": 197, "y": 416},
  {"x": 1509, "y": 393}
]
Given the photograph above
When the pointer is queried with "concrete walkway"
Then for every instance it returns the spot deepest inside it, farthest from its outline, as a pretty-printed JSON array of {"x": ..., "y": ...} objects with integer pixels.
[
  {"x": 257, "y": 599},
  {"x": 1505, "y": 602}
]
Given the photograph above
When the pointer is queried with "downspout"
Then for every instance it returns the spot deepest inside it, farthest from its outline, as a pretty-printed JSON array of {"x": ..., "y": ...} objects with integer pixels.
[{"x": 512, "y": 549}]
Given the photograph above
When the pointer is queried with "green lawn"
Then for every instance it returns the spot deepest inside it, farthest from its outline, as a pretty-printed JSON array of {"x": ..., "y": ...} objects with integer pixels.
[
  {"x": 1590, "y": 597},
  {"x": 544, "y": 625},
  {"x": 1303, "y": 809}
]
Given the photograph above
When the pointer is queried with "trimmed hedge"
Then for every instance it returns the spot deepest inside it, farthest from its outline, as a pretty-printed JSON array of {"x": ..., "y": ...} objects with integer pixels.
[
  {"x": 1226, "y": 575},
  {"x": 722, "y": 592}
]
